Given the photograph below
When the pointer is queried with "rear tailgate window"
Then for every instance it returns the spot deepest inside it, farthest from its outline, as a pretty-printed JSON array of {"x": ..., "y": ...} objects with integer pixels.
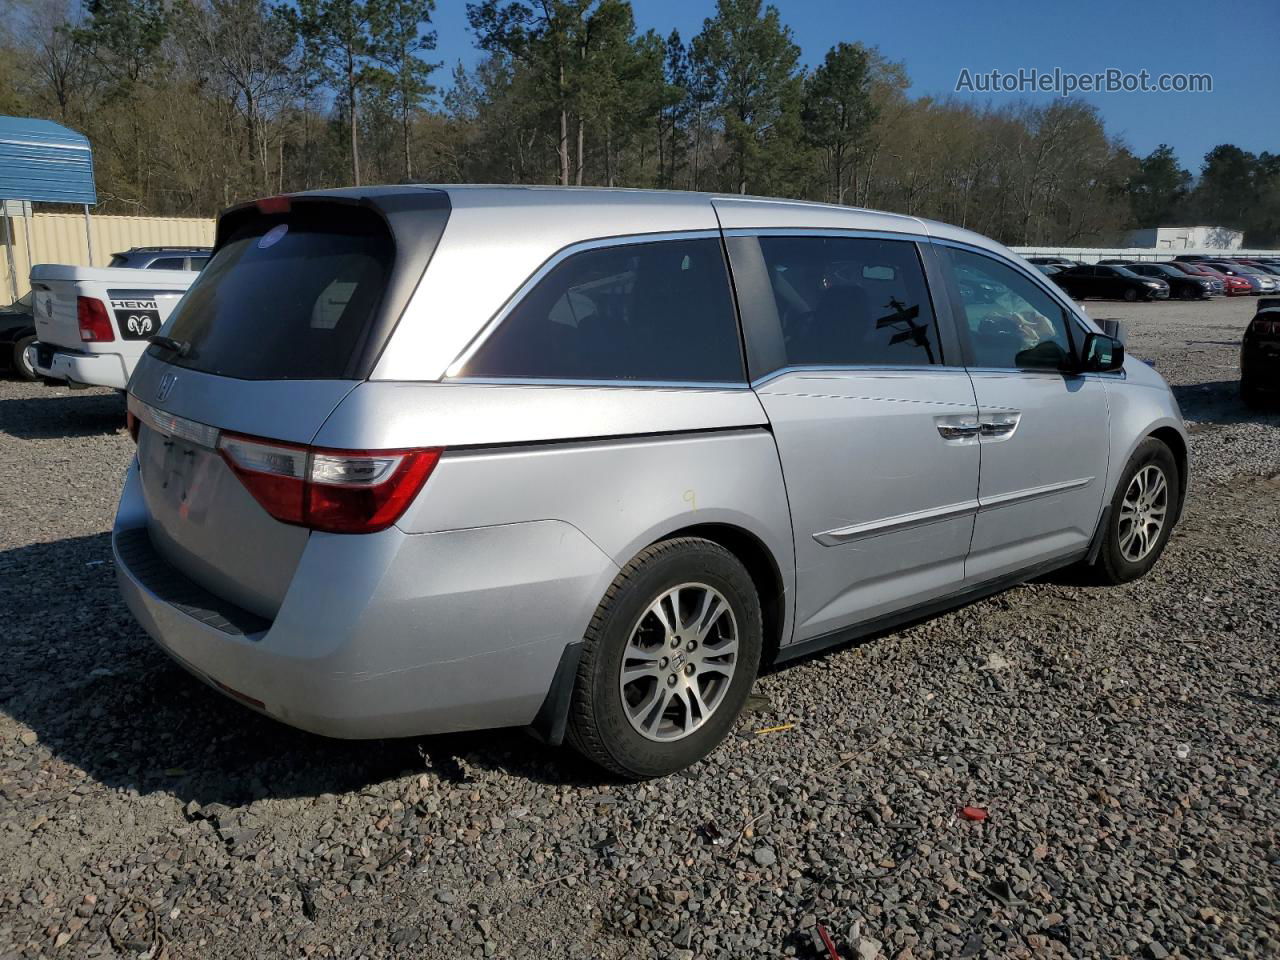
[{"x": 306, "y": 294}]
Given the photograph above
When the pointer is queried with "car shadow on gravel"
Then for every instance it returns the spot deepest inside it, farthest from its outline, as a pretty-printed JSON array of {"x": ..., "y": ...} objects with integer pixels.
[
  {"x": 52, "y": 417},
  {"x": 1219, "y": 402},
  {"x": 100, "y": 696}
]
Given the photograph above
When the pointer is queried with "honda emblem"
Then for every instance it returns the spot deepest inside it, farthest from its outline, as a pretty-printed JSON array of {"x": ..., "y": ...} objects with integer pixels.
[{"x": 166, "y": 387}]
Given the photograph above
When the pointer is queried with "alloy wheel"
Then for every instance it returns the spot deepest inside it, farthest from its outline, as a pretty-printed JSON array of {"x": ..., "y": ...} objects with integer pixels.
[
  {"x": 1143, "y": 512},
  {"x": 679, "y": 662}
]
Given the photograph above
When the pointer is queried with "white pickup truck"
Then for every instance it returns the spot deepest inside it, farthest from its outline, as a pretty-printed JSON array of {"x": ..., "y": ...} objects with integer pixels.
[{"x": 93, "y": 323}]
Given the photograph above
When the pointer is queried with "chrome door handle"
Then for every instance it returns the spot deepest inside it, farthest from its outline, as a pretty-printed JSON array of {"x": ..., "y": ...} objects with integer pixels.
[
  {"x": 958, "y": 428},
  {"x": 998, "y": 426}
]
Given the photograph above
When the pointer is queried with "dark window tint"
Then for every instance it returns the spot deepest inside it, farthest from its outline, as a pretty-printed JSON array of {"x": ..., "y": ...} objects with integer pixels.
[
  {"x": 197, "y": 263},
  {"x": 1013, "y": 322},
  {"x": 168, "y": 263},
  {"x": 647, "y": 311},
  {"x": 286, "y": 297},
  {"x": 851, "y": 301}
]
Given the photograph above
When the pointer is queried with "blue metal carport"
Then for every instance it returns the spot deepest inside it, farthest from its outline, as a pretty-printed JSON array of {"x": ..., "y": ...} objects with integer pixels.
[{"x": 44, "y": 162}]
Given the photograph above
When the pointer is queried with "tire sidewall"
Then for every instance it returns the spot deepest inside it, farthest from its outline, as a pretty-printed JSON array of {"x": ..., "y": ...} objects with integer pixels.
[
  {"x": 690, "y": 564},
  {"x": 20, "y": 368},
  {"x": 1150, "y": 451}
]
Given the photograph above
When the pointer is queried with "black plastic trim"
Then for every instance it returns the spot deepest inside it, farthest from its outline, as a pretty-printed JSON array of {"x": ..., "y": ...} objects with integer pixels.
[
  {"x": 144, "y": 564},
  {"x": 1100, "y": 534},
  {"x": 607, "y": 438},
  {"x": 923, "y": 611},
  {"x": 552, "y": 718}
]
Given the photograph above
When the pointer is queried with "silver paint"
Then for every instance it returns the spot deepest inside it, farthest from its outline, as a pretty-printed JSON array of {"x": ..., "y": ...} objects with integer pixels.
[{"x": 870, "y": 490}]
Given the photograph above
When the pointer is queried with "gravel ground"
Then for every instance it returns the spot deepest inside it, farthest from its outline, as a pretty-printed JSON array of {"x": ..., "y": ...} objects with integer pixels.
[{"x": 1124, "y": 742}]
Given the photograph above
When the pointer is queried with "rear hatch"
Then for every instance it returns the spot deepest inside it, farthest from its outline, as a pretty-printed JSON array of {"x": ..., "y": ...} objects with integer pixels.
[{"x": 287, "y": 318}]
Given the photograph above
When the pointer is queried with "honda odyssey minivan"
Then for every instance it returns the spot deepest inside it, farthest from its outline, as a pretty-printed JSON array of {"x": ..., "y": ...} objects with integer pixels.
[{"x": 424, "y": 459}]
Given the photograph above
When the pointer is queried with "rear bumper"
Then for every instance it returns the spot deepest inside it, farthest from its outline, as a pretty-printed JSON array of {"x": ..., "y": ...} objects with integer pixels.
[
  {"x": 388, "y": 634},
  {"x": 91, "y": 369}
]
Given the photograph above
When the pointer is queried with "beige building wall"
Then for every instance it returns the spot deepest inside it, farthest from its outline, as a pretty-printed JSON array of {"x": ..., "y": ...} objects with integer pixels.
[{"x": 61, "y": 238}]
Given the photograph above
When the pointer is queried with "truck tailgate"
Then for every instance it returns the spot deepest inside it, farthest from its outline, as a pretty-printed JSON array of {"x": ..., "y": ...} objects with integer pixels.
[{"x": 136, "y": 301}]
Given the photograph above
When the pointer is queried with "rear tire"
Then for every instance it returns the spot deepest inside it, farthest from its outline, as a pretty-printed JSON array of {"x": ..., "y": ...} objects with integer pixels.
[
  {"x": 611, "y": 720},
  {"x": 1143, "y": 510},
  {"x": 22, "y": 368},
  {"x": 1251, "y": 396}
]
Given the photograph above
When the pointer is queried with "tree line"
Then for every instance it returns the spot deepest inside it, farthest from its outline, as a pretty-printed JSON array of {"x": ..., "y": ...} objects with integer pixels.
[{"x": 192, "y": 105}]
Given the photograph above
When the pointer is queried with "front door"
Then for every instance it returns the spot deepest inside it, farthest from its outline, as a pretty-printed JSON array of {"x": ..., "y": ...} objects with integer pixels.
[
  {"x": 877, "y": 437},
  {"x": 1043, "y": 428}
]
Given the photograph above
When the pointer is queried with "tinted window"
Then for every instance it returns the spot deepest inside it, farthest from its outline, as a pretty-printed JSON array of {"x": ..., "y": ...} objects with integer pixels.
[
  {"x": 197, "y": 263},
  {"x": 646, "y": 311},
  {"x": 168, "y": 263},
  {"x": 851, "y": 301},
  {"x": 1012, "y": 321},
  {"x": 286, "y": 297}
]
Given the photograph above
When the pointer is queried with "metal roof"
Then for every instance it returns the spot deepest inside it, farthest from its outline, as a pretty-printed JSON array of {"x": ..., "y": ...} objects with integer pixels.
[{"x": 45, "y": 162}]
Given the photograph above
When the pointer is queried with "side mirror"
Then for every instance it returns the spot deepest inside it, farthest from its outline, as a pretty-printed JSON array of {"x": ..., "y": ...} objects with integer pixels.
[{"x": 1101, "y": 354}]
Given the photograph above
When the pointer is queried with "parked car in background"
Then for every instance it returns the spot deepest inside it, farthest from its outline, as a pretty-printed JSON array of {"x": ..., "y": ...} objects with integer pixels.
[
  {"x": 1049, "y": 269},
  {"x": 1110, "y": 283},
  {"x": 161, "y": 258},
  {"x": 1261, "y": 266},
  {"x": 1230, "y": 286},
  {"x": 1259, "y": 283},
  {"x": 93, "y": 323},
  {"x": 1181, "y": 285},
  {"x": 17, "y": 332},
  {"x": 420, "y": 459},
  {"x": 1054, "y": 261},
  {"x": 1260, "y": 355}
]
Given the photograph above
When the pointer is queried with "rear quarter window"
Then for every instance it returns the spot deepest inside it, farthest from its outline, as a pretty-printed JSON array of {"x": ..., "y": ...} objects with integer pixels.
[
  {"x": 286, "y": 297},
  {"x": 660, "y": 311}
]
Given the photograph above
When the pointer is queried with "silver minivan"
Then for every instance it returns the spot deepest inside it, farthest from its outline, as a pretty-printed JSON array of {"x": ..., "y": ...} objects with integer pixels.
[{"x": 425, "y": 459}]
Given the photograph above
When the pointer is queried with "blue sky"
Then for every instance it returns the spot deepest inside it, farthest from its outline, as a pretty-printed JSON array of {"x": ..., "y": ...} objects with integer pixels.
[{"x": 936, "y": 39}]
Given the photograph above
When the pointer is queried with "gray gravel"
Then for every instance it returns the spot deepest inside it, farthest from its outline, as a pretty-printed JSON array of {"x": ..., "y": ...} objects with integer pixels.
[{"x": 1123, "y": 742}]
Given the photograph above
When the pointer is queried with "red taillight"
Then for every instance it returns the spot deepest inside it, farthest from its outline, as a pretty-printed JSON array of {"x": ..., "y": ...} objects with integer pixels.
[
  {"x": 95, "y": 325},
  {"x": 133, "y": 424},
  {"x": 337, "y": 491},
  {"x": 1266, "y": 328}
]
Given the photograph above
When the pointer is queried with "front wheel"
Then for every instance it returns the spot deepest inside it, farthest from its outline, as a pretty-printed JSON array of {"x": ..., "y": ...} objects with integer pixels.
[
  {"x": 1142, "y": 514},
  {"x": 668, "y": 660},
  {"x": 1130, "y": 294}
]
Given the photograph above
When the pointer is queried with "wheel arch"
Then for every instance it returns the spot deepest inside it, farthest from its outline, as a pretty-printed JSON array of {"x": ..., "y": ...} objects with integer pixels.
[
  {"x": 765, "y": 573},
  {"x": 1177, "y": 444}
]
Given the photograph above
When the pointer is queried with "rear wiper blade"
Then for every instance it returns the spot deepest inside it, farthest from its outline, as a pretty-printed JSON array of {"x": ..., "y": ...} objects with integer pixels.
[{"x": 180, "y": 347}]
